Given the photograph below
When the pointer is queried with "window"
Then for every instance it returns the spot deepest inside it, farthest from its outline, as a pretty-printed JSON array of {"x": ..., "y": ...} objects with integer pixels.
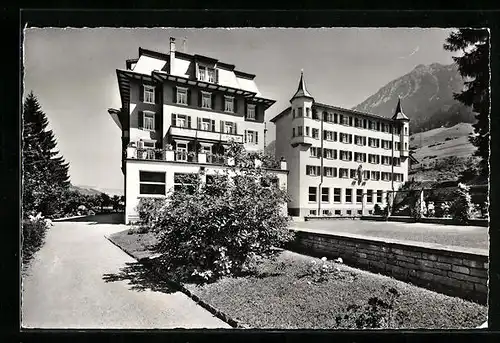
[
  {"x": 348, "y": 195},
  {"x": 182, "y": 121},
  {"x": 151, "y": 182},
  {"x": 205, "y": 124},
  {"x": 345, "y": 120},
  {"x": 336, "y": 195},
  {"x": 345, "y": 155},
  {"x": 338, "y": 212},
  {"x": 329, "y": 171},
  {"x": 202, "y": 73},
  {"x": 206, "y": 100},
  {"x": 366, "y": 175},
  {"x": 211, "y": 75},
  {"x": 300, "y": 131},
  {"x": 379, "y": 196},
  {"x": 359, "y": 195},
  {"x": 406, "y": 130},
  {"x": 329, "y": 117},
  {"x": 228, "y": 127},
  {"x": 406, "y": 146},
  {"x": 312, "y": 194},
  {"x": 369, "y": 196},
  {"x": 397, "y": 161},
  {"x": 372, "y": 158},
  {"x": 148, "y": 121},
  {"x": 149, "y": 94},
  {"x": 228, "y": 104},
  {"x": 184, "y": 182},
  {"x": 373, "y": 125},
  {"x": 386, "y": 176},
  {"x": 300, "y": 112},
  {"x": 251, "y": 111},
  {"x": 344, "y": 137},
  {"x": 327, "y": 213},
  {"x": 293, "y": 112},
  {"x": 182, "y": 96},
  {"x": 348, "y": 212},
  {"x": 313, "y": 170},
  {"x": 344, "y": 173},
  {"x": 251, "y": 137},
  {"x": 312, "y": 212},
  {"x": 354, "y": 173},
  {"x": 313, "y": 151},
  {"x": 315, "y": 133},
  {"x": 181, "y": 152},
  {"x": 307, "y": 131},
  {"x": 359, "y": 157},
  {"x": 329, "y": 153},
  {"x": 328, "y": 135},
  {"x": 325, "y": 194},
  {"x": 293, "y": 132},
  {"x": 308, "y": 112},
  {"x": 358, "y": 140},
  {"x": 360, "y": 212}
]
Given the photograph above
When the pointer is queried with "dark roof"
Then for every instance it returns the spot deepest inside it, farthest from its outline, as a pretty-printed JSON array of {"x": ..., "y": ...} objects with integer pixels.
[
  {"x": 398, "y": 114},
  {"x": 367, "y": 114},
  {"x": 302, "y": 89},
  {"x": 180, "y": 54}
]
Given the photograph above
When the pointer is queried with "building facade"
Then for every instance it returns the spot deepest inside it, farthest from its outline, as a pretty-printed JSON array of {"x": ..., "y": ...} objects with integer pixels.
[
  {"x": 342, "y": 162},
  {"x": 179, "y": 113}
]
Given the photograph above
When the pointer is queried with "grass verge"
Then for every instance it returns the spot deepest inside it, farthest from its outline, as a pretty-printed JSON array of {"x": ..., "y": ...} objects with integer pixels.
[{"x": 281, "y": 295}]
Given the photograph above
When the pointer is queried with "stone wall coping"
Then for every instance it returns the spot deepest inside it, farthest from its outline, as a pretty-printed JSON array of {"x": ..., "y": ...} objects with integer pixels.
[{"x": 430, "y": 248}]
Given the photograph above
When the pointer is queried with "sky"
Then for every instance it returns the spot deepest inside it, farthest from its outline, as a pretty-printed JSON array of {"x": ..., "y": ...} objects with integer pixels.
[{"x": 73, "y": 74}]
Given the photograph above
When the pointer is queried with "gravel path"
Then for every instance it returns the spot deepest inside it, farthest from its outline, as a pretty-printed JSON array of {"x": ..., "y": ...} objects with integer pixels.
[{"x": 81, "y": 280}]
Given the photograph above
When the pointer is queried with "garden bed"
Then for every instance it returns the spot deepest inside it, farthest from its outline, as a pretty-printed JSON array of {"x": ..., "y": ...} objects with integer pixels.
[{"x": 283, "y": 294}]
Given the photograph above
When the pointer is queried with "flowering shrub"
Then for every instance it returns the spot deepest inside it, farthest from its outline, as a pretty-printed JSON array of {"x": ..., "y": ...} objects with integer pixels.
[
  {"x": 320, "y": 272},
  {"x": 33, "y": 235},
  {"x": 150, "y": 212},
  {"x": 462, "y": 207},
  {"x": 210, "y": 230},
  {"x": 378, "y": 313}
]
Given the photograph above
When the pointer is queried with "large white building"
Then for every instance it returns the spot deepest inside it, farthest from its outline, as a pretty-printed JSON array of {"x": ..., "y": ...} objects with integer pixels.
[
  {"x": 179, "y": 112},
  {"x": 341, "y": 161}
]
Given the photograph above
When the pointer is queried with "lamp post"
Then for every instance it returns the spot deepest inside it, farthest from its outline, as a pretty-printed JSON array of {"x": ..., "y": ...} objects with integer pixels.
[{"x": 392, "y": 169}]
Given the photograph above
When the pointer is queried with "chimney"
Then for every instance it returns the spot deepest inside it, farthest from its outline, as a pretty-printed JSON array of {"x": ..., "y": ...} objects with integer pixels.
[{"x": 172, "y": 54}]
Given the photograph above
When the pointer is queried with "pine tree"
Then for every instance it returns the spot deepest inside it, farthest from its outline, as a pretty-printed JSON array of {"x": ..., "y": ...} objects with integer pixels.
[
  {"x": 473, "y": 65},
  {"x": 45, "y": 174}
]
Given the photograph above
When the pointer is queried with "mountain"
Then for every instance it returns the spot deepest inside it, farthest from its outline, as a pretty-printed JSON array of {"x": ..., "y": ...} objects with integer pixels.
[
  {"x": 426, "y": 97},
  {"x": 88, "y": 190}
]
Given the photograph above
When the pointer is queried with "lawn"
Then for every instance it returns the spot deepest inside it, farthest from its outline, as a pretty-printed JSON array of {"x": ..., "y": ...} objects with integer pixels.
[{"x": 282, "y": 294}]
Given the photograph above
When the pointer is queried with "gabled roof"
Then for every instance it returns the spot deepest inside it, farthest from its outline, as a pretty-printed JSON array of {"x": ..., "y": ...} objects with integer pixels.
[
  {"x": 399, "y": 115},
  {"x": 302, "y": 90}
]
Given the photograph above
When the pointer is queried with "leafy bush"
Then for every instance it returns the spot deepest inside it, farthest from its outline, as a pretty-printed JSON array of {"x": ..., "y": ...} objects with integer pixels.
[
  {"x": 377, "y": 210},
  {"x": 378, "y": 313},
  {"x": 461, "y": 208},
  {"x": 211, "y": 229},
  {"x": 150, "y": 212},
  {"x": 33, "y": 235}
]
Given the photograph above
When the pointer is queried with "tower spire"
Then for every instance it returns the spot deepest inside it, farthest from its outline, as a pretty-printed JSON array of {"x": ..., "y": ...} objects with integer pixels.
[
  {"x": 302, "y": 90},
  {"x": 398, "y": 114}
]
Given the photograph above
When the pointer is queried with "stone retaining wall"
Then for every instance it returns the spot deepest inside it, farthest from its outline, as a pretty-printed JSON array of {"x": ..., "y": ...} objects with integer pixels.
[{"x": 449, "y": 270}]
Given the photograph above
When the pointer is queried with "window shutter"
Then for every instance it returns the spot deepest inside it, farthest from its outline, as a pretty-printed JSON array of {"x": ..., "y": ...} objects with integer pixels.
[
  {"x": 189, "y": 97},
  {"x": 235, "y": 129},
  {"x": 335, "y": 154},
  {"x": 174, "y": 95},
  {"x": 356, "y": 122},
  {"x": 341, "y": 118},
  {"x": 199, "y": 123},
  {"x": 350, "y": 121},
  {"x": 378, "y": 126},
  {"x": 200, "y": 95},
  {"x": 246, "y": 107},
  {"x": 256, "y": 137},
  {"x": 350, "y": 139},
  {"x": 350, "y": 155},
  {"x": 157, "y": 94},
  {"x": 141, "y": 93},
  {"x": 213, "y": 125},
  {"x": 324, "y": 116},
  {"x": 336, "y": 118},
  {"x": 245, "y": 136},
  {"x": 157, "y": 121},
  {"x": 216, "y": 75},
  {"x": 364, "y": 157},
  {"x": 324, "y": 134},
  {"x": 140, "y": 123},
  {"x": 213, "y": 101},
  {"x": 335, "y": 136},
  {"x": 235, "y": 105},
  {"x": 174, "y": 119},
  {"x": 222, "y": 126},
  {"x": 189, "y": 122}
]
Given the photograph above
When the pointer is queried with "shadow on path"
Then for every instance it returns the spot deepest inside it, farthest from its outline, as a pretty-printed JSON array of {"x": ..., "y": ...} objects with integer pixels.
[
  {"x": 140, "y": 278},
  {"x": 104, "y": 218}
]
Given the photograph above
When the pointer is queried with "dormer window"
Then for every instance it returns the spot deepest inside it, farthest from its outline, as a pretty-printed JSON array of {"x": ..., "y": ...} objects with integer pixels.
[
  {"x": 228, "y": 104},
  {"x": 149, "y": 94},
  {"x": 207, "y": 74},
  {"x": 202, "y": 73},
  {"x": 211, "y": 75},
  {"x": 251, "y": 111}
]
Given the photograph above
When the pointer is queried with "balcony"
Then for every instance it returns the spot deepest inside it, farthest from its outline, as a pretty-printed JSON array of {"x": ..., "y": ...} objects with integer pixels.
[
  {"x": 306, "y": 140},
  {"x": 204, "y": 134}
]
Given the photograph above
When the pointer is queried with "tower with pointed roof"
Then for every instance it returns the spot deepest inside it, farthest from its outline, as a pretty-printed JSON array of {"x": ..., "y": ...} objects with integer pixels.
[{"x": 404, "y": 122}]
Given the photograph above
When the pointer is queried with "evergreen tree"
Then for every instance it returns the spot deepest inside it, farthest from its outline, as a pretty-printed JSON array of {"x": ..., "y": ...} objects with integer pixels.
[
  {"x": 45, "y": 175},
  {"x": 473, "y": 65}
]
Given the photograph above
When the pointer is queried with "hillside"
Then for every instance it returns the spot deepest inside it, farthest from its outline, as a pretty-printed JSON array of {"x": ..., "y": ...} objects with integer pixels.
[
  {"x": 427, "y": 98},
  {"x": 443, "y": 153},
  {"x": 88, "y": 190}
]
